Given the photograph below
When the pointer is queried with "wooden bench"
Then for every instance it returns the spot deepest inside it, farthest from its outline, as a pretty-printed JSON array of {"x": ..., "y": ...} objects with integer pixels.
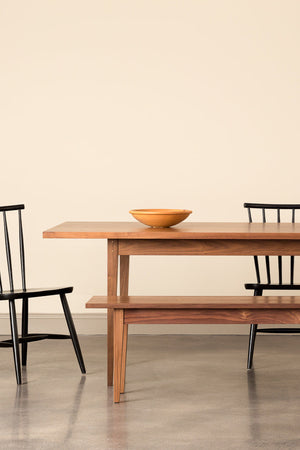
[{"x": 189, "y": 310}]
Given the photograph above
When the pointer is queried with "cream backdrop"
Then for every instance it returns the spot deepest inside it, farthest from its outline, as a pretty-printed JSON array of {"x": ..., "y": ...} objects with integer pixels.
[{"x": 112, "y": 105}]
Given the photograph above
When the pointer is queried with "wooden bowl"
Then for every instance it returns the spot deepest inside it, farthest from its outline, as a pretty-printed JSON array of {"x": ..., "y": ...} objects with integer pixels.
[{"x": 160, "y": 218}]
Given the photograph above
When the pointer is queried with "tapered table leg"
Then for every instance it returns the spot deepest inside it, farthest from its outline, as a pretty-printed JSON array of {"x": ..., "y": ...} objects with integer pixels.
[
  {"x": 124, "y": 282},
  {"x": 118, "y": 345},
  {"x": 112, "y": 286}
]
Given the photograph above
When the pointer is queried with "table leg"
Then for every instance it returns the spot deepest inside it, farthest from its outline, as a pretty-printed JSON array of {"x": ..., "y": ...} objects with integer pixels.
[
  {"x": 112, "y": 286},
  {"x": 118, "y": 345},
  {"x": 124, "y": 281}
]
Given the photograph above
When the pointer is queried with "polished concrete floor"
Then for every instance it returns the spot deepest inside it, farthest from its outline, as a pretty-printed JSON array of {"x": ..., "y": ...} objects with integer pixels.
[{"x": 182, "y": 392}]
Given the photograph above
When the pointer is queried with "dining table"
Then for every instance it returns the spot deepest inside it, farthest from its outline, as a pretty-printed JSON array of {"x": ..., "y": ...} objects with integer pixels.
[{"x": 188, "y": 238}]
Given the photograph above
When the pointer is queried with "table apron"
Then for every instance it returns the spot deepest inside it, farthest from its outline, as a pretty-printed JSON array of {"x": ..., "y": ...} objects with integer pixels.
[
  {"x": 209, "y": 247},
  {"x": 211, "y": 316}
]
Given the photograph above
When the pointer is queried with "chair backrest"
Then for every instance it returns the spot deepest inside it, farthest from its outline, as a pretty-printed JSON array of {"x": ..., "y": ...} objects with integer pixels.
[
  {"x": 5, "y": 210},
  {"x": 280, "y": 210}
]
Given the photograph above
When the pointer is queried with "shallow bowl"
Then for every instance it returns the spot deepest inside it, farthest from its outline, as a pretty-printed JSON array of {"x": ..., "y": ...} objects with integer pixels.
[{"x": 160, "y": 218}]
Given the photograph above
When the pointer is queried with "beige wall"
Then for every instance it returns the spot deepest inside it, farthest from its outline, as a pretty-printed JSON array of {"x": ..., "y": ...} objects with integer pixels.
[{"x": 112, "y": 105}]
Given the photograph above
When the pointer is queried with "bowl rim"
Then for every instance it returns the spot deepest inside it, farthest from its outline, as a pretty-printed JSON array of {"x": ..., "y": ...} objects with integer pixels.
[{"x": 160, "y": 211}]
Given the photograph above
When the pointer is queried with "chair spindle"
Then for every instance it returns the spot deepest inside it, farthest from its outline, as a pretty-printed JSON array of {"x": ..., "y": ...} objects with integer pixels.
[
  {"x": 8, "y": 253},
  {"x": 292, "y": 269},
  {"x": 268, "y": 269},
  {"x": 255, "y": 257},
  {"x": 22, "y": 257},
  {"x": 267, "y": 258},
  {"x": 280, "y": 269},
  {"x": 292, "y": 257},
  {"x": 257, "y": 268},
  {"x": 279, "y": 257}
]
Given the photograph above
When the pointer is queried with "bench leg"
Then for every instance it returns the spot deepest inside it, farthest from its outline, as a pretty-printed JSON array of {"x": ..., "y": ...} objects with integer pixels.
[
  {"x": 118, "y": 347},
  {"x": 124, "y": 282},
  {"x": 124, "y": 356}
]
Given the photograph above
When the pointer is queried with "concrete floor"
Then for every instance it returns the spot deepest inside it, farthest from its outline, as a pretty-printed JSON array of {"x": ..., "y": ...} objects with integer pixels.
[{"x": 182, "y": 392}]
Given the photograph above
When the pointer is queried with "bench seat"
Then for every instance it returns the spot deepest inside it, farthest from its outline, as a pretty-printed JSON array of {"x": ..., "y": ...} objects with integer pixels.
[
  {"x": 200, "y": 302},
  {"x": 189, "y": 310}
]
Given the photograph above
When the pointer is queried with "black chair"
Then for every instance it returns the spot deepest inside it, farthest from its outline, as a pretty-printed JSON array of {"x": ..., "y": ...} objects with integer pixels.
[
  {"x": 25, "y": 294},
  {"x": 276, "y": 283}
]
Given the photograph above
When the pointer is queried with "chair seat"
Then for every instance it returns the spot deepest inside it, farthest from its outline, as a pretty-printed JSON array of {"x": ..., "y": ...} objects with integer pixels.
[
  {"x": 20, "y": 293},
  {"x": 272, "y": 286}
]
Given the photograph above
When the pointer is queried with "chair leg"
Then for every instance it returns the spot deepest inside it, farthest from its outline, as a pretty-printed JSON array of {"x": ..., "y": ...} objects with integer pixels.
[
  {"x": 252, "y": 336},
  {"x": 15, "y": 339},
  {"x": 253, "y": 330},
  {"x": 24, "y": 330},
  {"x": 72, "y": 331}
]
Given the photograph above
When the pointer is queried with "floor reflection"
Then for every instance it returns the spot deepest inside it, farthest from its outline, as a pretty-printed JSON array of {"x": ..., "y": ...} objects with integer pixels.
[
  {"x": 73, "y": 417},
  {"x": 20, "y": 418},
  {"x": 253, "y": 401},
  {"x": 24, "y": 415},
  {"x": 117, "y": 422}
]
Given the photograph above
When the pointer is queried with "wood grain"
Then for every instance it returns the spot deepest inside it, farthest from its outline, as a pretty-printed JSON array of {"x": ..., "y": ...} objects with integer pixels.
[
  {"x": 211, "y": 316},
  {"x": 209, "y": 247},
  {"x": 112, "y": 286},
  {"x": 124, "y": 285},
  {"x": 191, "y": 310},
  {"x": 185, "y": 230},
  {"x": 124, "y": 275},
  {"x": 195, "y": 302},
  {"x": 118, "y": 344},
  {"x": 187, "y": 238}
]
